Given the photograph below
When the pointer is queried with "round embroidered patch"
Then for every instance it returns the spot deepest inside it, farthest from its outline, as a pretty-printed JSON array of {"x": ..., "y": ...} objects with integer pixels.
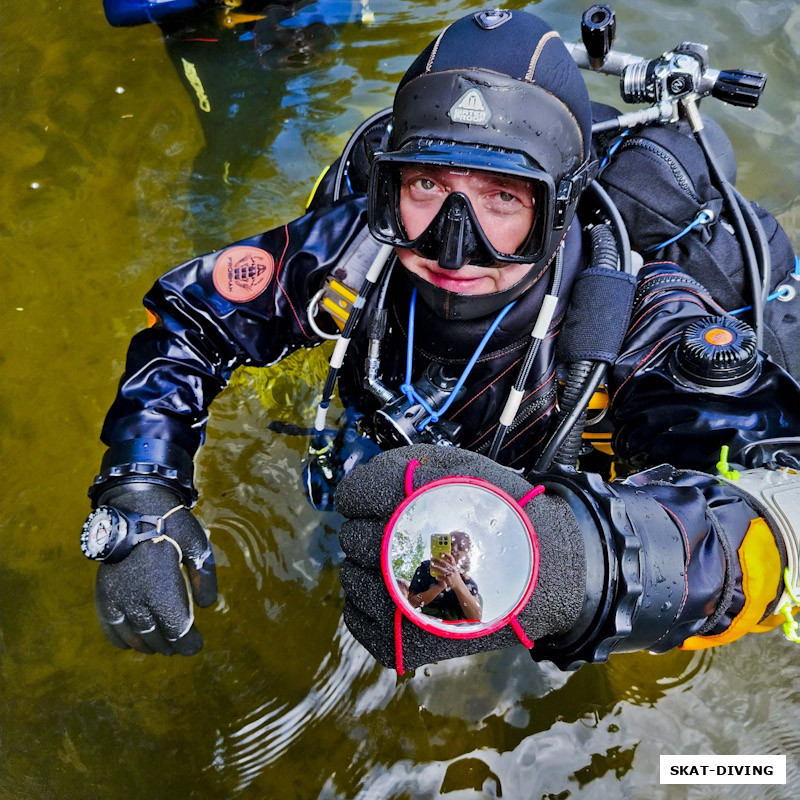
[{"x": 242, "y": 273}]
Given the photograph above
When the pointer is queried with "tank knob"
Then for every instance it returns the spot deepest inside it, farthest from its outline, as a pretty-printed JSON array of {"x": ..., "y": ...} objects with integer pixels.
[
  {"x": 598, "y": 26},
  {"x": 717, "y": 352}
]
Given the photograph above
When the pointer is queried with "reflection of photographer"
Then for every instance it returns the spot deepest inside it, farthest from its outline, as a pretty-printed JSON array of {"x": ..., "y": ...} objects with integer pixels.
[{"x": 441, "y": 586}]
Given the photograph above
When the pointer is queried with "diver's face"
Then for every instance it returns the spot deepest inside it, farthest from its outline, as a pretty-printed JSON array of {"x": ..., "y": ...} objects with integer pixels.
[{"x": 505, "y": 210}]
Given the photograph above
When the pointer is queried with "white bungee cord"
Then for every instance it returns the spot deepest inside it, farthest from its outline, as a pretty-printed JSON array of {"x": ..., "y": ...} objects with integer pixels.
[{"x": 343, "y": 339}]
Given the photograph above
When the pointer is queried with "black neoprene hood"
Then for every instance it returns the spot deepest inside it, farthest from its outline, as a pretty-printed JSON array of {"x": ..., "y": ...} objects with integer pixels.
[
  {"x": 524, "y": 48},
  {"x": 518, "y": 117},
  {"x": 498, "y": 92}
]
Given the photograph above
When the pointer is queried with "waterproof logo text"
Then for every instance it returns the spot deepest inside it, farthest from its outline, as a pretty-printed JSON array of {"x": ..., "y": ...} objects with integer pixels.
[{"x": 471, "y": 109}]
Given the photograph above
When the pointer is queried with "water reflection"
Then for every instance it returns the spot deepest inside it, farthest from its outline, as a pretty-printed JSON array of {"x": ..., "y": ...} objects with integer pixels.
[
  {"x": 236, "y": 66},
  {"x": 529, "y": 730},
  {"x": 262, "y": 736}
]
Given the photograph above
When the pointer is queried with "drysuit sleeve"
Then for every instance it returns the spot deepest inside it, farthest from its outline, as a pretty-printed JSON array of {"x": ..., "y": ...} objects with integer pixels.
[
  {"x": 243, "y": 305},
  {"x": 691, "y": 560},
  {"x": 660, "y": 418}
]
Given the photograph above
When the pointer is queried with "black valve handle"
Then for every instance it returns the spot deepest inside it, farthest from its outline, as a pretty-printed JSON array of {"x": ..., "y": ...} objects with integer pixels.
[
  {"x": 598, "y": 26},
  {"x": 739, "y": 87}
]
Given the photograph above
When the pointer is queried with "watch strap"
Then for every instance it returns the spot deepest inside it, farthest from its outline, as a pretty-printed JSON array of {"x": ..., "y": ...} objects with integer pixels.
[{"x": 156, "y": 523}]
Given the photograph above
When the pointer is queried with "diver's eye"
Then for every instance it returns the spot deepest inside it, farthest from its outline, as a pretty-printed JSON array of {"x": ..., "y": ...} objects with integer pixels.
[
  {"x": 423, "y": 189},
  {"x": 507, "y": 197}
]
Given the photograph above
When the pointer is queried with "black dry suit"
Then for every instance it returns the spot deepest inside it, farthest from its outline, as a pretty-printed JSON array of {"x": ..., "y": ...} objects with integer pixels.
[{"x": 247, "y": 305}]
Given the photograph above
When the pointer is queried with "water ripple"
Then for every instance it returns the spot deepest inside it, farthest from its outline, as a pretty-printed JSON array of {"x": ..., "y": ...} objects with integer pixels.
[{"x": 266, "y": 733}]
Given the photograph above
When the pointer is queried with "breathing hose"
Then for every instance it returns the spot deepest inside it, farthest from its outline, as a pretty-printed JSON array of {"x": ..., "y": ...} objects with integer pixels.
[
  {"x": 757, "y": 233},
  {"x": 583, "y": 377},
  {"x": 617, "y": 226},
  {"x": 742, "y": 232},
  {"x": 343, "y": 342},
  {"x": 539, "y": 331},
  {"x": 348, "y": 149},
  {"x": 564, "y": 446}
]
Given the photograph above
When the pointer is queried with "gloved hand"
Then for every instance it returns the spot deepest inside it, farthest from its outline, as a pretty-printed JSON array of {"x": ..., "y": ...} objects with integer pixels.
[
  {"x": 142, "y": 601},
  {"x": 369, "y": 496}
]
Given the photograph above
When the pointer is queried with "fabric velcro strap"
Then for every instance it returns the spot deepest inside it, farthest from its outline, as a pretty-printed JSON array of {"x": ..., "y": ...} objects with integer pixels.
[{"x": 598, "y": 316}]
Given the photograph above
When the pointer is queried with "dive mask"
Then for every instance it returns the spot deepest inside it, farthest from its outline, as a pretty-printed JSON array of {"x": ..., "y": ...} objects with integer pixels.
[{"x": 455, "y": 236}]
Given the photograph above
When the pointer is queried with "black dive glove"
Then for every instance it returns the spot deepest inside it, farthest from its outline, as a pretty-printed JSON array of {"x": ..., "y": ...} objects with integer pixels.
[
  {"x": 370, "y": 495},
  {"x": 142, "y": 601}
]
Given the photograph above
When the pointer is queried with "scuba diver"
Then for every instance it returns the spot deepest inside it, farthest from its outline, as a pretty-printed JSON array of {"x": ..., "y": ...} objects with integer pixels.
[{"x": 471, "y": 255}]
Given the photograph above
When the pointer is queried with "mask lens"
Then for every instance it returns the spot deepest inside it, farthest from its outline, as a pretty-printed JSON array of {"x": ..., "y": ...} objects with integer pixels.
[
  {"x": 384, "y": 204},
  {"x": 507, "y": 212},
  {"x": 504, "y": 206}
]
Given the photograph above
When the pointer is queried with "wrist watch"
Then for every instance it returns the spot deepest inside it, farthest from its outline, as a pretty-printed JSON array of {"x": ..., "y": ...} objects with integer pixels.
[{"x": 110, "y": 534}]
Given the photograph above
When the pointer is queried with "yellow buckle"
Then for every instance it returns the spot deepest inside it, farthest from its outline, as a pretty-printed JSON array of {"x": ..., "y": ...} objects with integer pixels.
[{"x": 338, "y": 300}]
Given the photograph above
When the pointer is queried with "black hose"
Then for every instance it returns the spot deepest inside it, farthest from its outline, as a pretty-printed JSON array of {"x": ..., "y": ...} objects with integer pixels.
[
  {"x": 742, "y": 234},
  {"x": 607, "y": 125},
  {"x": 604, "y": 247},
  {"x": 348, "y": 148},
  {"x": 617, "y": 226},
  {"x": 763, "y": 255},
  {"x": 569, "y": 435},
  {"x": 530, "y": 355},
  {"x": 347, "y": 333},
  {"x": 376, "y": 332},
  {"x": 385, "y": 282},
  {"x": 591, "y": 383},
  {"x": 569, "y": 450}
]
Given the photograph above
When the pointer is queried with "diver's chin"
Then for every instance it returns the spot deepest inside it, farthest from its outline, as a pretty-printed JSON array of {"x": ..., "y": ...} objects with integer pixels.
[{"x": 460, "y": 305}]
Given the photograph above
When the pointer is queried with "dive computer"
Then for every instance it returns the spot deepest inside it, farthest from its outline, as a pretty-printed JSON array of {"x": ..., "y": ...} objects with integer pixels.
[{"x": 110, "y": 534}]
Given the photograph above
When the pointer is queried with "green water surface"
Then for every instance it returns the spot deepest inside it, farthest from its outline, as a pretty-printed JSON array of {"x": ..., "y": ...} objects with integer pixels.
[{"x": 108, "y": 179}]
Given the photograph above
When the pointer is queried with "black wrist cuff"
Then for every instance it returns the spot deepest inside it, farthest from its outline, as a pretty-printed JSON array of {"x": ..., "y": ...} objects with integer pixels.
[
  {"x": 153, "y": 461},
  {"x": 632, "y": 594}
]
